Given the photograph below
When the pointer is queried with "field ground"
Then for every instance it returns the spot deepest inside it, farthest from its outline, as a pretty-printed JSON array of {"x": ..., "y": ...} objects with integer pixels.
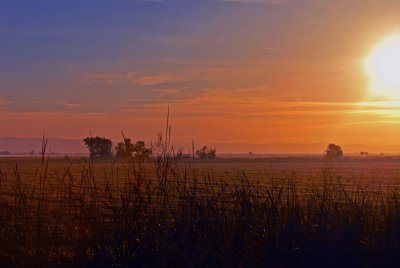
[
  {"x": 279, "y": 212},
  {"x": 383, "y": 171}
]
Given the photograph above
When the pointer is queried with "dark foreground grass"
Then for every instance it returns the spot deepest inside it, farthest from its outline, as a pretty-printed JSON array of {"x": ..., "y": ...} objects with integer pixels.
[{"x": 176, "y": 218}]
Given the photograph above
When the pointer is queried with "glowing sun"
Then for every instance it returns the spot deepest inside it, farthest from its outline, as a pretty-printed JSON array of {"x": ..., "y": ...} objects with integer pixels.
[{"x": 383, "y": 68}]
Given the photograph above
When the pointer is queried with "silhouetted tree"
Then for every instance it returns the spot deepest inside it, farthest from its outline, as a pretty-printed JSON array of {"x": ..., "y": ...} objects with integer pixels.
[
  {"x": 202, "y": 153},
  {"x": 98, "y": 147},
  {"x": 206, "y": 153},
  {"x": 120, "y": 151},
  {"x": 140, "y": 150},
  {"x": 124, "y": 149},
  {"x": 212, "y": 153},
  {"x": 334, "y": 151}
]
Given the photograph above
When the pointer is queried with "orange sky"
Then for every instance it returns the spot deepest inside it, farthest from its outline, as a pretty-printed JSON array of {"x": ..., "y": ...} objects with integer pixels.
[{"x": 242, "y": 76}]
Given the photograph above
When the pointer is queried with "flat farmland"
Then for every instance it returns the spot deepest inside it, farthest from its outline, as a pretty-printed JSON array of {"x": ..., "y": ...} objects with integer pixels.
[
  {"x": 73, "y": 211},
  {"x": 383, "y": 171}
]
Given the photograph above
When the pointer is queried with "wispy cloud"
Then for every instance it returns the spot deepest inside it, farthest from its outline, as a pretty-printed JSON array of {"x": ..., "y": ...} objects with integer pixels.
[
  {"x": 29, "y": 32},
  {"x": 156, "y": 79},
  {"x": 271, "y": 2},
  {"x": 164, "y": 92},
  {"x": 131, "y": 78},
  {"x": 275, "y": 2},
  {"x": 4, "y": 102},
  {"x": 153, "y": 79}
]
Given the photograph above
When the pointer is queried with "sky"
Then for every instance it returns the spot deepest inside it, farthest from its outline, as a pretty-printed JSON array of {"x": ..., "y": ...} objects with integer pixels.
[{"x": 240, "y": 75}]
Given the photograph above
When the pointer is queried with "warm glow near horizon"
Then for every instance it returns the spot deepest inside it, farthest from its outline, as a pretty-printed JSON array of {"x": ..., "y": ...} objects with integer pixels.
[
  {"x": 383, "y": 67},
  {"x": 244, "y": 75}
]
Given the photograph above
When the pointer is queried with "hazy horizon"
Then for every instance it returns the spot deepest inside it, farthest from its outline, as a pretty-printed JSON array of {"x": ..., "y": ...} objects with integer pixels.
[
  {"x": 238, "y": 72},
  {"x": 75, "y": 146}
]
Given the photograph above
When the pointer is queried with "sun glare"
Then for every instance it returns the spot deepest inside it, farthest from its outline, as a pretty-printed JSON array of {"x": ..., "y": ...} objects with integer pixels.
[{"x": 383, "y": 67}]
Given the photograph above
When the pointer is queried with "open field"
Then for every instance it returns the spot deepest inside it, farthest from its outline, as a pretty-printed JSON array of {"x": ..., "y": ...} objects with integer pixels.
[
  {"x": 167, "y": 211},
  {"x": 379, "y": 171}
]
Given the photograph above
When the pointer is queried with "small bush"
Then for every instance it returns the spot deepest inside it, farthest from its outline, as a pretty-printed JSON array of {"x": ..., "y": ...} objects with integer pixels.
[{"x": 206, "y": 153}]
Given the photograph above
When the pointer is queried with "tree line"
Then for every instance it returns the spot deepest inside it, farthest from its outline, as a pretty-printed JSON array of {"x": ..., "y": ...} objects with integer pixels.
[{"x": 101, "y": 147}]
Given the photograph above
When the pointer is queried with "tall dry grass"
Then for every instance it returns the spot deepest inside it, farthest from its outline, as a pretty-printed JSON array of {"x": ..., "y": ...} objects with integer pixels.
[{"x": 175, "y": 217}]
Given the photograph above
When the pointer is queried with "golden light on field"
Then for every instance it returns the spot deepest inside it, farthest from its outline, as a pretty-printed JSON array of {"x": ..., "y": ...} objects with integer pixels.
[{"x": 383, "y": 67}]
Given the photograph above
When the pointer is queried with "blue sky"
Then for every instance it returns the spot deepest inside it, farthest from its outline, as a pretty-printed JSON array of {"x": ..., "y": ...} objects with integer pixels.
[
  {"x": 47, "y": 45},
  {"x": 100, "y": 64}
]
